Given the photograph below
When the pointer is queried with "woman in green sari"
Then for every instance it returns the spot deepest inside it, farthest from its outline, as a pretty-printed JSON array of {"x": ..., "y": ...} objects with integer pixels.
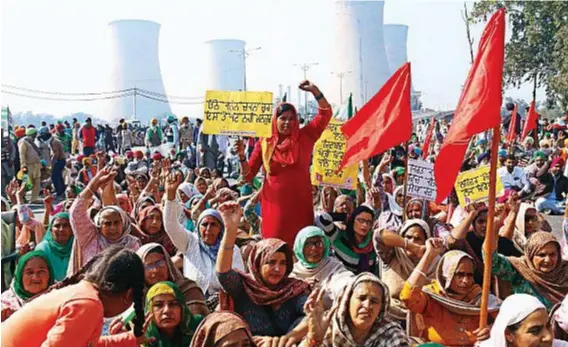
[
  {"x": 172, "y": 324},
  {"x": 57, "y": 244}
]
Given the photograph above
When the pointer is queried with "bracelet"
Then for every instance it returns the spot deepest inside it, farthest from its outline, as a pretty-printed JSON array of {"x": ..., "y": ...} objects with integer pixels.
[
  {"x": 89, "y": 188},
  {"x": 313, "y": 342},
  {"x": 242, "y": 159},
  {"x": 319, "y": 97},
  {"x": 228, "y": 248},
  {"x": 421, "y": 273}
]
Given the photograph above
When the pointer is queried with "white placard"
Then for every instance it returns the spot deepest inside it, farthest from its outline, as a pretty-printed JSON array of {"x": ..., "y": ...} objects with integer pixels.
[{"x": 421, "y": 183}]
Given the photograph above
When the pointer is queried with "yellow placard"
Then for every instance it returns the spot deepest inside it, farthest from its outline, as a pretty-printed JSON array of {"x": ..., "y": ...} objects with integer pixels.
[
  {"x": 238, "y": 113},
  {"x": 473, "y": 186},
  {"x": 329, "y": 151}
]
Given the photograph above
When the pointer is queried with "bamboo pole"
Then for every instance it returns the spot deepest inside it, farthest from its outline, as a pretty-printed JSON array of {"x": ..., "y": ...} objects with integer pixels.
[
  {"x": 405, "y": 180},
  {"x": 489, "y": 234}
]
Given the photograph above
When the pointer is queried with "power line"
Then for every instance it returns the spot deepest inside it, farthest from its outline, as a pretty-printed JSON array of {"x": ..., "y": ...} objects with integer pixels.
[
  {"x": 66, "y": 99},
  {"x": 170, "y": 102},
  {"x": 137, "y": 90}
]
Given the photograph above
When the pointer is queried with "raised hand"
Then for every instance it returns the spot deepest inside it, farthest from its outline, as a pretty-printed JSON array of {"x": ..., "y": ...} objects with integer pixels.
[
  {"x": 308, "y": 86},
  {"x": 239, "y": 148},
  {"x": 142, "y": 340},
  {"x": 435, "y": 246},
  {"x": 231, "y": 212},
  {"x": 318, "y": 320},
  {"x": 172, "y": 184}
]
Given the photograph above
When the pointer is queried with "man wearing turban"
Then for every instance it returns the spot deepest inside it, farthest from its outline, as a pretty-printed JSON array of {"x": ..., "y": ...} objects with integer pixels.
[
  {"x": 30, "y": 160},
  {"x": 556, "y": 187}
]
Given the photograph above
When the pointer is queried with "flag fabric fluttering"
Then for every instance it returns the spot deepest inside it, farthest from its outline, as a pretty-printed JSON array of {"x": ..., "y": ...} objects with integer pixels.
[
  {"x": 479, "y": 106},
  {"x": 512, "y": 133},
  {"x": 345, "y": 111},
  {"x": 383, "y": 122},
  {"x": 530, "y": 122},
  {"x": 428, "y": 139}
]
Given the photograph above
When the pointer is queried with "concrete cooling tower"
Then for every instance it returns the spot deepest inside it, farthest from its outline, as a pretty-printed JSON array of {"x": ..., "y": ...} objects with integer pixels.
[
  {"x": 396, "y": 36},
  {"x": 359, "y": 49},
  {"x": 134, "y": 63},
  {"x": 226, "y": 65}
]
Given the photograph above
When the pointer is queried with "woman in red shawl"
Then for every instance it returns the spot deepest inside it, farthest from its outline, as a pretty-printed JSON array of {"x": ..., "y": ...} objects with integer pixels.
[{"x": 286, "y": 200}]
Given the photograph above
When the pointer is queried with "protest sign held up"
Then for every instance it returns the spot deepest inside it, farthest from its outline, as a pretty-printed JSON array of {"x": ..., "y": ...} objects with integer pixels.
[
  {"x": 329, "y": 151},
  {"x": 473, "y": 185},
  {"x": 421, "y": 183},
  {"x": 238, "y": 113}
]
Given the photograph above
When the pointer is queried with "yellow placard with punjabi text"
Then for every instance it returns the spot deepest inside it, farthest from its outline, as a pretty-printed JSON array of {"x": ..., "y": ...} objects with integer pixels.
[
  {"x": 238, "y": 113},
  {"x": 473, "y": 186},
  {"x": 329, "y": 151}
]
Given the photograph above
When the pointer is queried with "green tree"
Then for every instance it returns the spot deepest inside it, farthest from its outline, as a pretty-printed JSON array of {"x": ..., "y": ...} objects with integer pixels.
[{"x": 537, "y": 49}]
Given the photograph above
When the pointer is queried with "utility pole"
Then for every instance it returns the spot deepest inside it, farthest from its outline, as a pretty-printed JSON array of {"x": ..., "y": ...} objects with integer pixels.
[
  {"x": 134, "y": 103},
  {"x": 305, "y": 67},
  {"x": 340, "y": 75},
  {"x": 244, "y": 53}
]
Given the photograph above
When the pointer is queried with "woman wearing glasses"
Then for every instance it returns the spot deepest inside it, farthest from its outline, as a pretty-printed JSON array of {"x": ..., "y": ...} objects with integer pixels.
[{"x": 286, "y": 199}]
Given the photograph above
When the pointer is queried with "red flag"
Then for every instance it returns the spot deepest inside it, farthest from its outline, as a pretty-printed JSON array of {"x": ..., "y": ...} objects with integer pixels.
[
  {"x": 530, "y": 123},
  {"x": 383, "y": 122},
  {"x": 512, "y": 133},
  {"x": 479, "y": 105},
  {"x": 428, "y": 139}
]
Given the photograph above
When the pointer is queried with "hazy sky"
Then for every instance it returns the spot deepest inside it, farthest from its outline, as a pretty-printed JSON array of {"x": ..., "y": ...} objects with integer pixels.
[{"x": 62, "y": 46}]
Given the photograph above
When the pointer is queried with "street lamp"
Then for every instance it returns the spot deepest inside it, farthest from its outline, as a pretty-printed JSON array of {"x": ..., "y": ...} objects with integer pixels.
[
  {"x": 245, "y": 53},
  {"x": 305, "y": 67},
  {"x": 340, "y": 75}
]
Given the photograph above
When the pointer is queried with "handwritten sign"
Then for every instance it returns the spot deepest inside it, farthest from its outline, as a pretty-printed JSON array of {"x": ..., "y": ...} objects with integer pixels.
[
  {"x": 473, "y": 185},
  {"x": 238, "y": 113},
  {"x": 421, "y": 183},
  {"x": 329, "y": 151}
]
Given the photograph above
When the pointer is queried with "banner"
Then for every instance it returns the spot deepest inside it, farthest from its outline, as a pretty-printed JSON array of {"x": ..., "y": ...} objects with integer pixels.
[
  {"x": 238, "y": 113},
  {"x": 329, "y": 151},
  {"x": 421, "y": 183},
  {"x": 473, "y": 186}
]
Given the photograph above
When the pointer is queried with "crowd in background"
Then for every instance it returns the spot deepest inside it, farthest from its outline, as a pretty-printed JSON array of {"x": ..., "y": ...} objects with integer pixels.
[{"x": 226, "y": 242}]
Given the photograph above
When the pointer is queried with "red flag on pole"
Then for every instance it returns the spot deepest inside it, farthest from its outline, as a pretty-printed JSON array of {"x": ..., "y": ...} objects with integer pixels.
[
  {"x": 479, "y": 105},
  {"x": 512, "y": 133},
  {"x": 428, "y": 139},
  {"x": 383, "y": 122},
  {"x": 530, "y": 122}
]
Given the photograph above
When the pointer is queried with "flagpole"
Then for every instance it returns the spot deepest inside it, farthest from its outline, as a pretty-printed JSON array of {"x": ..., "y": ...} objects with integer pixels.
[
  {"x": 489, "y": 233},
  {"x": 405, "y": 179}
]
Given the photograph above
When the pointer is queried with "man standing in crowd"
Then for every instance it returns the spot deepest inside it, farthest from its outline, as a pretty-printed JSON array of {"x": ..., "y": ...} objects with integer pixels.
[
  {"x": 154, "y": 134},
  {"x": 88, "y": 134},
  {"x": 119, "y": 130},
  {"x": 209, "y": 150},
  {"x": 185, "y": 133},
  {"x": 30, "y": 161},
  {"x": 58, "y": 164},
  {"x": 8, "y": 156}
]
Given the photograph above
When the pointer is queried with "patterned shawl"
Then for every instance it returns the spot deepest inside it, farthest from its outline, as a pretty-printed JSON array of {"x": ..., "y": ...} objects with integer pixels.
[
  {"x": 217, "y": 326},
  {"x": 255, "y": 288},
  {"x": 554, "y": 284},
  {"x": 384, "y": 333},
  {"x": 160, "y": 237}
]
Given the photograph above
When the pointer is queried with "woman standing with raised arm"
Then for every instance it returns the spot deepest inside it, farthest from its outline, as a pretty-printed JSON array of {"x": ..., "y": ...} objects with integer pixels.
[{"x": 286, "y": 199}]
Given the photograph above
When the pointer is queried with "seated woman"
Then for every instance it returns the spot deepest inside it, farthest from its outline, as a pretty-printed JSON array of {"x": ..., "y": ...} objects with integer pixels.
[
  {"x": 57, "y": 244},
  {"x": 172, "y": 324},
  {"x": 268, "y": 299},
  {"x": 400, "y": 255},
  {"x": 447, "y": 309},
  {"x": 200, "y": 249},
  {"x": 415, "y": 209},
  {"x": 73, "y": 314},
  {"x": 151, "y": 229},
  {"x": 359, "y": 318},
  {"x": 111, "y": 225},
  {"x": 33, "y": 276},
  {"x": 522, "y": 322},
  {"x": 316, "y": 265},
  {"x": 158, "y": 267},
  {"x": 523, "y": 221},
  {"x": 541, "y": 272},
  {"x": 221, "y": 329},
  {"x": 354, "y": 246}
]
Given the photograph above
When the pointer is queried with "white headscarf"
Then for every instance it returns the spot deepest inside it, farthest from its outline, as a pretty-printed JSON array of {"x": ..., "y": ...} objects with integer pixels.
[
  {"x": 513, "y": 310},
  {"x": 188, "y": 189}
]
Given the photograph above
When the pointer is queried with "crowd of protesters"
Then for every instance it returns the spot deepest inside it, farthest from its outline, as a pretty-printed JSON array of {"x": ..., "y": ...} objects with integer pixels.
[{"x": 191, "y": 248}]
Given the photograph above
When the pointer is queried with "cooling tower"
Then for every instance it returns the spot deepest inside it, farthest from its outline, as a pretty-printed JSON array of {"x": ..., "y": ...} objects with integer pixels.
[
  {"x": 396, "y": 36},
  {"x": 134, "y": 62},
  {"x": 225, "y": 65},
  {"x": 359, "y": 48}
]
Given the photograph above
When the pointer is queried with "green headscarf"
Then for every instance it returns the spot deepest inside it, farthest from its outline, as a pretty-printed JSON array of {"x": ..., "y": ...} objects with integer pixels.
[
  {"x": 188, "y": 323},
  {"x": 58, "y": 255},
  {"x": 300, "y": 241},
  {"x": 18, "y": 283}
]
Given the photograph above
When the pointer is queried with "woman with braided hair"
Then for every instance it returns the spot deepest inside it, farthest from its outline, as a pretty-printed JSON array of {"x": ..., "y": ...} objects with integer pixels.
[{"x": 71, "y": 314}]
